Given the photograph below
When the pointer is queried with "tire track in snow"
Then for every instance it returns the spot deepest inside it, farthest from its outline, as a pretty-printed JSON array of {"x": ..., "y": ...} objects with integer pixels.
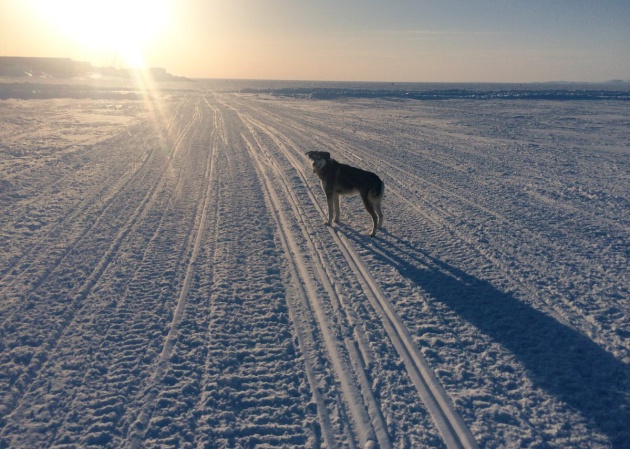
[
  {"x": 45, "y": 255},
  {"x": 118, "y": 358},
  {"x": 366, "y": 417},
  {"x": 233, "y": 358},
  {"x": 103, "y": 196},
  {"x": 510, "y": 277},
  {"x": 452, "y": 245},
  {"x": 452, "y": 427},
  {"x": 450, "y": 424},
  {"x": 29, "y": 379},
  {"x": 253, "y": 389},
  {"x": 135, "y": 438},
  {"x": 371, "y": 427},
  {"x": 301, "y": 326},
  {"x": 133, "y": 328}
]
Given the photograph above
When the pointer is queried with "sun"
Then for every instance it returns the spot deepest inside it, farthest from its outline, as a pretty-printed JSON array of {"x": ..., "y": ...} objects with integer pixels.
[{"x": 124, "y": 28}]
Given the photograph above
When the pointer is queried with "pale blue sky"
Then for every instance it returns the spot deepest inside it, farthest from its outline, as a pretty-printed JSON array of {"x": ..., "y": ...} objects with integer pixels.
[{"x": 441, "y": 41}]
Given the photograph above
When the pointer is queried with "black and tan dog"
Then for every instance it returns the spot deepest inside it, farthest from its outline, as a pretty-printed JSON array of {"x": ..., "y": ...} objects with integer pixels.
[{"x": 341, "y": 179}]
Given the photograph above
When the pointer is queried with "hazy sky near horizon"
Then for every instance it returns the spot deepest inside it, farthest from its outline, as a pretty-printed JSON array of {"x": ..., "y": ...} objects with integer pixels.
[{"x": 368, "y": 40}]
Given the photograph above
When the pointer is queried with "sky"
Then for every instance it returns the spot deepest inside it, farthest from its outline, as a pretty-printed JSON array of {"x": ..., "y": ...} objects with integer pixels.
[{"x": 332, "y": 40}]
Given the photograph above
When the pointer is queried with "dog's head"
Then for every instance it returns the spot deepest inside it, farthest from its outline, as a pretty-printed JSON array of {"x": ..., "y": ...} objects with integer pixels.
[{"x": 319, "y": 159}]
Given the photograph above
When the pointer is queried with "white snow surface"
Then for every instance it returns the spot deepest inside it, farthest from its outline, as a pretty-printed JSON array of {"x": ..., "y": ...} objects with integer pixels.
[{"x": 167, "y": 280}]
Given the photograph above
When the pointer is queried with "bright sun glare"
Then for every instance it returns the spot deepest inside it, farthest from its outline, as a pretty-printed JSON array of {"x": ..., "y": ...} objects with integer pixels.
[{"x": 122, "y": 28}]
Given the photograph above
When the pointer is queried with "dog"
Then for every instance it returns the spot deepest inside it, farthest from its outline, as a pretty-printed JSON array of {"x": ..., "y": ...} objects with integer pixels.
[{"x": 341, "y": 179}]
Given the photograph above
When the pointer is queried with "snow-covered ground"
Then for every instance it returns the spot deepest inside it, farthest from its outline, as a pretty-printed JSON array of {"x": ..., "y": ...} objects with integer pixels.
[{"x": 167, "y": 279}]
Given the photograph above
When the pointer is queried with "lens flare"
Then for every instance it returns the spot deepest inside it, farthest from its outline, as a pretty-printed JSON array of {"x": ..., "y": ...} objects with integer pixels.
[{"x": 115, "y": 27}]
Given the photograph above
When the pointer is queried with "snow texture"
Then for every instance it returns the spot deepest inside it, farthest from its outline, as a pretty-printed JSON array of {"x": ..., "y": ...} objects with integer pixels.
[{"x": 166, "y": 278}]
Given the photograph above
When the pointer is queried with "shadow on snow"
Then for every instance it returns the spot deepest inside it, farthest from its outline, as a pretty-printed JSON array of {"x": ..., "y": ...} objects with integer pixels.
[{"x": 560, "y": 360}]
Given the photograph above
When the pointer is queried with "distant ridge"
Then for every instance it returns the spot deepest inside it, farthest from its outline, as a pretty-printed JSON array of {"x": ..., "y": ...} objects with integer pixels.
[
  {"x": 618, "y": 82},
  {"x": 19, "y": 66},
  {"x": 546, "y": 91}
]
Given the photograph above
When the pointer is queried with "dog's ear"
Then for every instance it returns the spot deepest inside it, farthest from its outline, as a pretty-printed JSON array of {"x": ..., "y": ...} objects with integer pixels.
[{"x": 325, "y": 154}]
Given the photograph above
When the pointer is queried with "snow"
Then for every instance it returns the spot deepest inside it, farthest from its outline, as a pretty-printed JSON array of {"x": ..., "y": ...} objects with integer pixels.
[{"x": 167, "y": 279}]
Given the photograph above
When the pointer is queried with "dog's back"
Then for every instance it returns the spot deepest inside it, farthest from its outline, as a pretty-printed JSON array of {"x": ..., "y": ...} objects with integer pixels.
[{"x": 349, "y": 179}]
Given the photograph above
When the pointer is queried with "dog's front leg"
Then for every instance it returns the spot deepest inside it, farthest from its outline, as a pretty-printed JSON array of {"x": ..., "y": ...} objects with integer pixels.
[
  {"x": 330, "y": 200},
  {"x": 336, "y": 203}
]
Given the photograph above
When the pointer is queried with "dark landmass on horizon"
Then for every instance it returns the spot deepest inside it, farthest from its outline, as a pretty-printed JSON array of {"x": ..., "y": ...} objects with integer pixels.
[
  {"x": 36, "y": 67},
  {"x": 44, "y": 78}
]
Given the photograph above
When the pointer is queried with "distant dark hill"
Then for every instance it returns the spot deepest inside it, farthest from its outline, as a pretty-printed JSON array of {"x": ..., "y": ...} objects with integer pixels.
[
  {"x": 543, "y": 92},
  {"x": 17, "y": 66}
]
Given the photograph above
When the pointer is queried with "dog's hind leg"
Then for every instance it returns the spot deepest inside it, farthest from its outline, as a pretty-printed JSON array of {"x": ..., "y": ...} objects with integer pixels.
[
  {"x": 370, "y": 208},
  {"x": 378, "y": 199},
  {"x": 379, "y": 212}
]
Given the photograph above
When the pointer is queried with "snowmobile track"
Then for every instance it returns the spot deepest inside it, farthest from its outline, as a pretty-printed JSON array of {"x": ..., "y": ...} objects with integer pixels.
[
  {"x": 168, "y": 281},
  {"x": 455, "y": 433}
]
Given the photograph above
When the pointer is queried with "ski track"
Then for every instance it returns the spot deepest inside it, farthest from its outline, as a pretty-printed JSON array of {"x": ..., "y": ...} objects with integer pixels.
[
  {"x": 168, "y": 280},
  {"x": 453, "y": 430},
  {"x": 451, "y": 427}
]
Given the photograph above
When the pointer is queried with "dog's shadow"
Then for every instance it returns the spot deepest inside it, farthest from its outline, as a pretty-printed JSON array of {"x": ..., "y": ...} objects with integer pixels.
[{"x": 559, "y": 359}]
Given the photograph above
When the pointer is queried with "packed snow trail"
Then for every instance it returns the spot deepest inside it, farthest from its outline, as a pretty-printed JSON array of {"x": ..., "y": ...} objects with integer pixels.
[
  {"x": 450, "y": 424},
  {"x": 168, "y": 280}
]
